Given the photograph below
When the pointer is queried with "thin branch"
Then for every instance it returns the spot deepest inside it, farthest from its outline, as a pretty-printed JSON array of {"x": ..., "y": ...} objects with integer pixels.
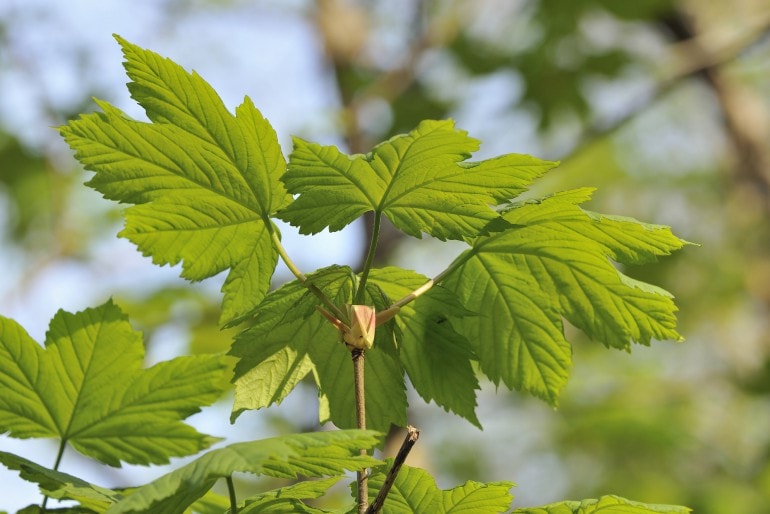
[
  {"x": 285, "y": 256},
  {"x": 301, "y": 276},
  {"x": 412, "y": 434},
  {"x": 391, "y": 311}
]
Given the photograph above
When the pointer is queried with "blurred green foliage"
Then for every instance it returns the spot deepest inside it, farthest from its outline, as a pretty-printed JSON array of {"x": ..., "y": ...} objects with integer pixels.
[
  {"x": 26, "y": 187},
  {"x": 686, "y": 424}
]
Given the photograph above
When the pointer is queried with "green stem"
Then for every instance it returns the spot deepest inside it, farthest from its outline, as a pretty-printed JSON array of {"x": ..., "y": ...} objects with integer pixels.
[
  {"x": 301, "y": 276},
  {"x": 361, "y": 291},
  {"x": 231, "y": 492},
  {"x": 285, "y": 256},
  {"x": 391, "y": 311},
  {"x": 59, "y": 455}
]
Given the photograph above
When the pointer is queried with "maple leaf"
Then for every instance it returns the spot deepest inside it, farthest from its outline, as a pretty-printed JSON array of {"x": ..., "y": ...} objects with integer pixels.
[
  {"x": 204, "y": 182},
  {"x": 87, "y": 388},
  {"x": 555, "y": 263},
  {"x": 311, "y": 455},
  {"x": 418, "y": 180}
]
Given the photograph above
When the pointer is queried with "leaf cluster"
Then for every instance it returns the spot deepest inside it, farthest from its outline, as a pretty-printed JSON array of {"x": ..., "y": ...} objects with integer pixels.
[{"x": 204, "y": 188}]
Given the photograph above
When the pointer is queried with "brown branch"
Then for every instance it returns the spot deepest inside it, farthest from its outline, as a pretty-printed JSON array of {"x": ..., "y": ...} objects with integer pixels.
[{"x": 412, "y": 434}]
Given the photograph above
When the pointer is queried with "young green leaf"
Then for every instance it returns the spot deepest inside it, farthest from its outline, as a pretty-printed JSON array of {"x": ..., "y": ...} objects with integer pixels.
[
  {"x": 415, "y": 492},
  {"x": 313, "y": 455},
  {"x": 281, "y": 359},
  {"x": 385, "y": 390},
  {"x": 289, "y": 339},
  {"x": 604, "y": 505},
  {"x": 273, "y": 353},
  {"x": 417, "y": 180},
  {"x": 204, "y": 182},
  {"x": 88, "y": 388},
  {"x": 436, "y": 358},
  {"x": 556, "y": 262}
]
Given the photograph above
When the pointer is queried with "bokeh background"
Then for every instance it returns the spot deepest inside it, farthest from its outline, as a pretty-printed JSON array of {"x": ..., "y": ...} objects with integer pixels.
[{"x": 663, "y": 105}]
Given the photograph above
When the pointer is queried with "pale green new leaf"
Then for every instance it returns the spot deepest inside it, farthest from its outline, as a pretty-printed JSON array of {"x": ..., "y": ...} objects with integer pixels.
[
  {"x": 604, "y": 505},
  {"x": 61, "y": 486},
  {"x": 289, "y": 339},
  {"x": 315, "y": 454},
  {"x": 280, "y": 360},
  {"x": 88, "y": 388},
  {"x": 418, "y": 180},
  {"x": 415, "y": 492},
  {"x": 436, "y": 358},
  {"x": 205, "y": 182},
  {"x": 555, "y": 263}
]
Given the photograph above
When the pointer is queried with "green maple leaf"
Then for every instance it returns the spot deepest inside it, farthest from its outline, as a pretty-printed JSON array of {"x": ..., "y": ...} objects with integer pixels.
[
  {"x": 87, "y": 388},
  {"x": 204, "y": 182},
  {"x": 311, "y": 455},
  {"x": 418, "y": 180},
  {"x": 290, "y": 340},
  {"x": 556, "y": 262},
  {"x": 604, "y": 505},
  {"x": 415, "y": 492}
]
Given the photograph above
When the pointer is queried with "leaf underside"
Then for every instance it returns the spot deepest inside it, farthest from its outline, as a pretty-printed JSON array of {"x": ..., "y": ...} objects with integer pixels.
[
  {"x": 604, "y": 505},
  {"x": 311, "y": 455}
]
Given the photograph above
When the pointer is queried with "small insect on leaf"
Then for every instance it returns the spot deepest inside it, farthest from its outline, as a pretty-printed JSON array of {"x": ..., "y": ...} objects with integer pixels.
[{"x": 363, "y": 321}]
